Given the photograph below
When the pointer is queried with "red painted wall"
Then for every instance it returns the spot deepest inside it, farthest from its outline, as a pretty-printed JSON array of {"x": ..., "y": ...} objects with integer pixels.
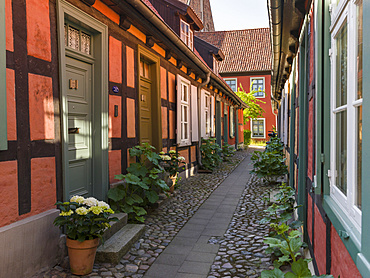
[
  {"x": 341, "y": 262},
  {"x": 320, "y": 242},
  {"x": 270, "y": 118}
]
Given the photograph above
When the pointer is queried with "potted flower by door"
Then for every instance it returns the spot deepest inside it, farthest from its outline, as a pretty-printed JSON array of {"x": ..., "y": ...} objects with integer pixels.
[
  {"x": 172, "y": 162},
  {"x": 84, "y": 222}
]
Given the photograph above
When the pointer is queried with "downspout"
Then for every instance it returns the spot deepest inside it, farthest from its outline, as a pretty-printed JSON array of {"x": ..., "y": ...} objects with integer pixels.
[{"x": 199, "y": 89}]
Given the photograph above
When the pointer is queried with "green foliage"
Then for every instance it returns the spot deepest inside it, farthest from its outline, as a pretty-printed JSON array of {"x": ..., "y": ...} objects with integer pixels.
[
  {"x": 247, "y": 137},
  {"x": 254, "y": 109},
  {"x": 270, "y": 163},
  {"x": 84, "y": 219},
  {"x": 142, "y": 183},
  {"x": 227, "y": 152},
  {"x": 210, "y": 151}
]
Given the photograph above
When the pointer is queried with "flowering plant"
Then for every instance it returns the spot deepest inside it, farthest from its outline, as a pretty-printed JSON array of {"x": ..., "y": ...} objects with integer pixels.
[
  {"x": 172, "y": 162},
  {"x": 84, "y": 218}
]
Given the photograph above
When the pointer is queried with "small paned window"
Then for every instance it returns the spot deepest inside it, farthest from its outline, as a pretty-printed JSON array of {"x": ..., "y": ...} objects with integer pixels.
[
  {"x": 144, "y": 69},
  {"x": 232, "y": 84},
  {"x": 232, "y": 122},
  {"x": 346, "y": 109},
  {"x": 258, "y": 128},
  {"x": 77, "y": 39},
  {"x": 185, "y": 108},
  {"x": 186, "y": 34},
  {"x": 258, "y": 86}
]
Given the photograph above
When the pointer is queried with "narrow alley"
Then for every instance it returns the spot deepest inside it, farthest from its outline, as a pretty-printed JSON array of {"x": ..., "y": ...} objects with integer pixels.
[{"x": 210, "y": 228}]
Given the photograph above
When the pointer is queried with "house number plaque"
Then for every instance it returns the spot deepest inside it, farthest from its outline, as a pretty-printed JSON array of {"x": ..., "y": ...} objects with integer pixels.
[{"x": 73, "y": 84}]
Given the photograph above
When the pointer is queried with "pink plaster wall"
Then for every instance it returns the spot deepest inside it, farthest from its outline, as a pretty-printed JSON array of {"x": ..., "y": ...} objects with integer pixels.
[
  {"x": 130, "y": 60},
  {"x": 115, "y": 60},
  {"x": 10, "y": 105},
  {"x": 41, "y": 107},
  {"x": 114, "y": 160},
  {"x": 163, "y": 83},
  {"x": 8, "y": 192},
  {"x": 164, "y": 122},
  {"x": 9, "y": 25},
  {"x": 115, "y": 123},
  {"x": 131, "y": 133}
]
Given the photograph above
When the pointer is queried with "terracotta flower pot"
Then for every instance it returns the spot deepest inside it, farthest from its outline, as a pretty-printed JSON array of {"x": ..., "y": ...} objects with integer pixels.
[{"x": 82, "y": 255}]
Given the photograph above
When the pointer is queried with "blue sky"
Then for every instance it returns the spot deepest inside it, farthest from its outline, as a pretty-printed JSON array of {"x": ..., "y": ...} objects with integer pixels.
[{"x": 239, "y": 14}]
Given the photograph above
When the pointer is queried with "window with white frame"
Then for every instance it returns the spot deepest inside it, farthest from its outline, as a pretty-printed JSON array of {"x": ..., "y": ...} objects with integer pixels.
[
  {"x": 346, "y": 108},
  {"x": 183, "y": 111},
  {"x": 258, "y": 128},
  {"x": 207, "y": 114},
  {"x": 232, "y": 82},
  {"x": 258, "y": 85},
  {"x": 232, "y": 122},
  {"x": 186, "y": 34}
]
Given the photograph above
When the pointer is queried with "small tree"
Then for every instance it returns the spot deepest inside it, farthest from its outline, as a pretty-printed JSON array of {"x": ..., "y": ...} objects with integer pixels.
[{"x": 254, "y": 110}]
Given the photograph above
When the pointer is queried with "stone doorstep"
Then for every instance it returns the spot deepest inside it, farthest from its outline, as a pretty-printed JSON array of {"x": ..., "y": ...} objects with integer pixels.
[
  {"x": 119, "y": 244},
  {"x": 115, "y": 225}
]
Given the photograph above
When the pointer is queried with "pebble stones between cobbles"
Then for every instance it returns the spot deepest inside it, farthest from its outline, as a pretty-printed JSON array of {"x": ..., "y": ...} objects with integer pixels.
[
  {"x": 241, "y": 252},
  {"x": 162, "y": 225}
]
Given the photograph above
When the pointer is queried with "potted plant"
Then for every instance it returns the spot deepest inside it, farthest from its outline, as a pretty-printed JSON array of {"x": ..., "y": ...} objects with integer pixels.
[
  {"x": 172, "y": 162},
  {"x": 84, "y": 221}
]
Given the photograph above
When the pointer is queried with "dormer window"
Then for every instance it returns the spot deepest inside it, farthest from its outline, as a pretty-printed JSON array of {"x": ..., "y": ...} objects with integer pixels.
[
  {"x": 215, "y": 65},
  {"x": 186, "y": 34}
]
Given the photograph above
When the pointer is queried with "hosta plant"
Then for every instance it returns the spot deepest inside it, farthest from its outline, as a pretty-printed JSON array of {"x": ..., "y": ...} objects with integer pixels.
[
  {"x": 227, "y": 151},
  {"x": 142, "y": 183},
  {"x": 84, "y": 219},
  {"x": 210, "y": 151}
]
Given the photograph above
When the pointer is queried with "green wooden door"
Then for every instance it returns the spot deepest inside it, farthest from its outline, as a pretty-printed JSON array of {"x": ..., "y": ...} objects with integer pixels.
[
  {"x": 145, "y": 102},
  {"x": 79, "y": 93}
]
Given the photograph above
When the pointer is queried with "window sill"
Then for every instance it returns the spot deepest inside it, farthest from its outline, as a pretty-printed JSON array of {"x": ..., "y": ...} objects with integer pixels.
[
  {"x": 341, "y": 222},
  {"x": 184, "y": 144}
]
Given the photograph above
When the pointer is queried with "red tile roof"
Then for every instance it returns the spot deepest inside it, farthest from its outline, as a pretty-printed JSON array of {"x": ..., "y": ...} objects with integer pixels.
[
  {"x": 146, "y": 2},
  {"x": 245, "y": 50}
]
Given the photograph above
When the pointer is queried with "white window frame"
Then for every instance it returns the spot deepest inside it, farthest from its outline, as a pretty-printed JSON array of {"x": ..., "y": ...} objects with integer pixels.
[
  {"x": 264, "y": 85},
  {"x": 236, "y": 83},
  {"x": 264, "y": 128},
  {"x": 181, "y": 104},
  {"x": 187, "y": 36},
  {"x": 232, "y": 122},
  {"x": 207, "y": 114},
  {"x": 345, "y": 13}
]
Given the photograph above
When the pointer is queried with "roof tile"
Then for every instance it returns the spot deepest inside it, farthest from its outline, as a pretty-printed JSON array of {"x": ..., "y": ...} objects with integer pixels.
[{"x": 245, "y": 50}]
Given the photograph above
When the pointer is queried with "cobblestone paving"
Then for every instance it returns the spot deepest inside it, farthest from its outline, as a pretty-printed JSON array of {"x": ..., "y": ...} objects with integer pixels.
[
  {"x": 162, "y": 225},
  {"x": 241, "y": 252}
]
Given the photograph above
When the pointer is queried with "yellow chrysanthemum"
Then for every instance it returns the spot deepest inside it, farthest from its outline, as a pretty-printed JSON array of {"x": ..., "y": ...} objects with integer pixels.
[
  {"x": 109, "y": 211},
  {"x": 96, "y": 210}
]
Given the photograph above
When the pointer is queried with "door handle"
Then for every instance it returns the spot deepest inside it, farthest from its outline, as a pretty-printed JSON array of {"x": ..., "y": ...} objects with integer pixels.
[{"x": 73, "y": 130}]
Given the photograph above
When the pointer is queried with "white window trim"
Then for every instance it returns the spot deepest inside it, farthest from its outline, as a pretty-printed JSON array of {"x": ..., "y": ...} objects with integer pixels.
[
  {"x": 182, "y": 81},
  {"x": 264, "y": 84},
  {"x": 345, "y": 13},
  {"x": 236, "y": 82},
  {"x": 190, "y": 35},
  {"x": 232, "y": 122},
  {"x": 264, "y": 128}
]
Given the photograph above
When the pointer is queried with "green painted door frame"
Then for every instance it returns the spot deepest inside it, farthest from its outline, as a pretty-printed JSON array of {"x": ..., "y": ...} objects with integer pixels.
[
  {"x": 99, "y": 31},
  {"x": 292, "y": 129},
  {"x": 236, "y": 128},
  {"x": 3, "y": 110},
  {"x": 226, "y": 124},
  {"x": 303, "y": 115},
  {"x": 218, "y": 123}
]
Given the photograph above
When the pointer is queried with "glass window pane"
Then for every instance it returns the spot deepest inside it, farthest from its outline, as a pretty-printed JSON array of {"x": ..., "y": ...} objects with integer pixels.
[
  {"x": 359, "y": 157},
  {"x": 341, "y": 151},
  {"x": 341, "y": 66},
  {"x": 359, "y": 49},
  {"x": 73, "y": 38}
]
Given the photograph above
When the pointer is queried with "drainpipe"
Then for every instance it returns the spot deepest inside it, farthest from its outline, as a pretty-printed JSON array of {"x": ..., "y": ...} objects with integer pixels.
[{"x": 199, "y": 89}]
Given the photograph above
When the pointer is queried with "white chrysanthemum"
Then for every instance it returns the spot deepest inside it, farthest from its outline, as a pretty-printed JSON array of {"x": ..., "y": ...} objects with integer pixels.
[
  {"x": 103, "y": 205},
  {"x": 77, "y": 199},
  {"x": 181, "y": 158},
  {"x": 91, "y": 202},
  {"x": 172, "y": 151},
  {"x": 82, "y": 211}
]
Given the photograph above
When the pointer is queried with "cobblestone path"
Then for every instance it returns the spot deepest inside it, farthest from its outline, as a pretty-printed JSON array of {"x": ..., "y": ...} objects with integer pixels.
[
  {"x": 161, "y": 227},
  {"x": 241, "y": 252}
]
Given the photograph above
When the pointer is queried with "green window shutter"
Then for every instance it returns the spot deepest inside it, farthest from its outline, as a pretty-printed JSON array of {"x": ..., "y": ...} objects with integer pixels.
[{"x": 3, "y": 111}]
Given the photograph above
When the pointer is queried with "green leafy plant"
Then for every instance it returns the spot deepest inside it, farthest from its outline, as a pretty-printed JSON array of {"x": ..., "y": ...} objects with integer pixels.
[
  {"x": 172, "y": 161},
  {"x": 210, "y": 151},
  {"x": 247, "y": 137},
  {"x": 270, "y": 163},
  {"x": 84, "y": 219},
  {"x": 227, "y": 151},
  {"x": 289, "y": 245},
  {"x": 142, "y": 183}
]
